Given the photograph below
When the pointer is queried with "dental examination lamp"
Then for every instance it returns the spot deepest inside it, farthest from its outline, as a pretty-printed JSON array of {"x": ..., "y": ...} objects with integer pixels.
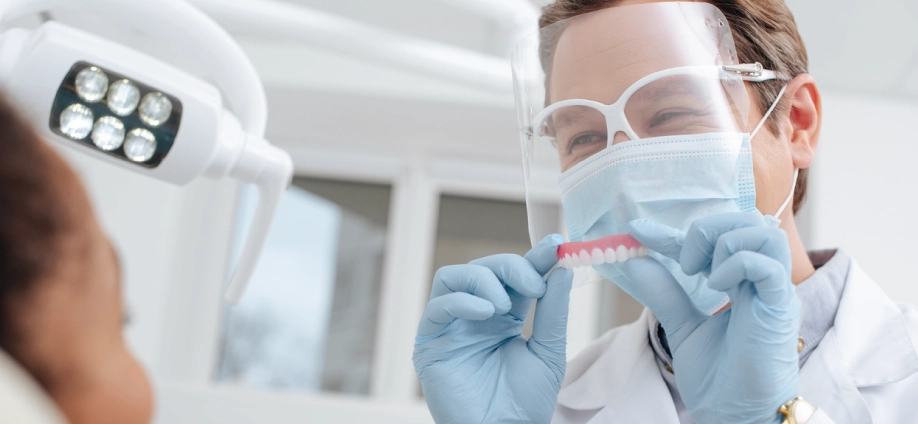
[{"x": 130, "y": 109}]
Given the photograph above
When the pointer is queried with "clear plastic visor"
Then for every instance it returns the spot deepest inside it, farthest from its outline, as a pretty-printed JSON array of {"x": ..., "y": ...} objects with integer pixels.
[
  {"x": 618, "y": 75},
  {"x": 679, "y": 101}
]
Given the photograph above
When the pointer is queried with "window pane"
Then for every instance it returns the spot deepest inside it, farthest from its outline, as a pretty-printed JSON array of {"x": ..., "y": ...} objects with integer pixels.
[
  {"x": 471, "y": 228},
  {"x": 308, "y": 320}
]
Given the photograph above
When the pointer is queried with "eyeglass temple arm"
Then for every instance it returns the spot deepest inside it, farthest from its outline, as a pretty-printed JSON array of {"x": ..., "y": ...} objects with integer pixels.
[{"x": 754, "y": 72}]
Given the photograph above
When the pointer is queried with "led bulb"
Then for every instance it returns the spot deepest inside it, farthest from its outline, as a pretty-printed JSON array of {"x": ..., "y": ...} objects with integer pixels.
[
  {"x": 123, "y": 97},
  {"x": 140, "y": 145},
  {"x": 155, "y": 109},
  {"x": 108, "y": 133},
  {"x": 76, "y": 121},
  {"x": 91, "y": 84}
]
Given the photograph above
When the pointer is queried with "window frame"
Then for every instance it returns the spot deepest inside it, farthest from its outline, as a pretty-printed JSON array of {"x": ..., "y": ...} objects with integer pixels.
[{"x": 417, "y": 183}]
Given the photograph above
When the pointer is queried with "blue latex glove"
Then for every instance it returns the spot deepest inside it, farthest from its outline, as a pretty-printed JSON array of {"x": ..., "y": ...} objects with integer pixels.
[
  {"x": 473, "y": 362},
  {"x": 741, "y": 365}
]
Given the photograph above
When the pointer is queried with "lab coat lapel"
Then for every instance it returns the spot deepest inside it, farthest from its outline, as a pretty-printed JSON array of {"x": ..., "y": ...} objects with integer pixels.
[
  {"x": 623, "y": 384},
  {"x": 644, "y": 398},
  {"x": 824, "y": 383},
  {"x": 869, "y": 345}
]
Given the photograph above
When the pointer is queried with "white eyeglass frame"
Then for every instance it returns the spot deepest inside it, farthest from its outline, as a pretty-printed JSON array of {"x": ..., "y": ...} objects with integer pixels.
[{"x": 616, "y": 121}]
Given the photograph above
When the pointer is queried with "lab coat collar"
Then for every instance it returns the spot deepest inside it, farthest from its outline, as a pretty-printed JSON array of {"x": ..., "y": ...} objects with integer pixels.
[
  {"x": 623, "y": 360},
  {"x": 865, "y": 310},
  {"x": 869, "y": 345}
]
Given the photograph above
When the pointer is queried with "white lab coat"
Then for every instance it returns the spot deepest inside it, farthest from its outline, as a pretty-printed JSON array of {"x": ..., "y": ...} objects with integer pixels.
[{"x": 865, "y": 370}]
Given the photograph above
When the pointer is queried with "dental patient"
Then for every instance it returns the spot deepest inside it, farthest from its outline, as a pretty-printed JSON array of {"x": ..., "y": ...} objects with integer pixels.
[{"x": 62, "y": 352}]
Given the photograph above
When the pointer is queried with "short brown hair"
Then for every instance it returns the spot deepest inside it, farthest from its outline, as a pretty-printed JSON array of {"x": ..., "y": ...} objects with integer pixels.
[{"x": 764, "y": 31}]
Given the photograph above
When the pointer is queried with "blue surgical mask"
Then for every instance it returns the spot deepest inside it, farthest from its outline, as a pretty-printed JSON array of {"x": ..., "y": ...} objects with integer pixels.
[{"x": 672, "y": 180}]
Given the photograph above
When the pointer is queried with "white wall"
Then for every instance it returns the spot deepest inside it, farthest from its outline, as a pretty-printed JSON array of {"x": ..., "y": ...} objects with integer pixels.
[
  {"x": 172, "y": 245},
  {"x": 863, "y": 188}
]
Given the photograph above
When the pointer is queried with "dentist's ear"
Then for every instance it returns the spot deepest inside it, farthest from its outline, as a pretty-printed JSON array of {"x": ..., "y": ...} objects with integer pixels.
[{"x": 804, "y": 120}]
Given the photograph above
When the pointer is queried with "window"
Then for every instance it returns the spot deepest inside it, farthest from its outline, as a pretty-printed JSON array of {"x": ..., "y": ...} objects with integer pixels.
[
  {"x": 470, "y": 228},
  {"x": 308, "y": 320}
]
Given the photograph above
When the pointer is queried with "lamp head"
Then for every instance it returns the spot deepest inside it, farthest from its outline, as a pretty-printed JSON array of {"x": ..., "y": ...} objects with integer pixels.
[{"x": 133, "y": 110}]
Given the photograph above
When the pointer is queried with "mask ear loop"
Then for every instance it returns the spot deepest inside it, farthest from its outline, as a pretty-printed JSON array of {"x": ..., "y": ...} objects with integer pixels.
[
  {"x": 773, "y": 220},
  {"x": 789, "y": 196},
  {"x": 768, "y": 113}
]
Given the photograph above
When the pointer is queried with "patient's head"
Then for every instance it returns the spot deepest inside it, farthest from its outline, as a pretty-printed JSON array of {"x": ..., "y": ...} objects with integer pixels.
[{"x": 61, "y": 311}]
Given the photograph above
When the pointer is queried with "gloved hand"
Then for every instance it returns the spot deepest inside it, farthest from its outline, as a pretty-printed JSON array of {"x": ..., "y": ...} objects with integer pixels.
[
  {"x": 473, "y": 362},
  {"x": 741, "y": 365}
]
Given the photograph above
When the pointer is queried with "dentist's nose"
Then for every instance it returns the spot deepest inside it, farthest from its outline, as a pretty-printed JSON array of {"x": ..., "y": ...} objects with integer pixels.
[{"x": 620, "y": 137}]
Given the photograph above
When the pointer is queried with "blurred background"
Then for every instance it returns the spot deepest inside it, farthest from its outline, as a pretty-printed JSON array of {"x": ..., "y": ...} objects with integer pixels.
[{"x": 399, "y": 115}]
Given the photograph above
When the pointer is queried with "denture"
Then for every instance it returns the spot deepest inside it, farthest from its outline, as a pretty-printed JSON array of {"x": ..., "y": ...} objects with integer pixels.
[{"x": 607, "y": 250}]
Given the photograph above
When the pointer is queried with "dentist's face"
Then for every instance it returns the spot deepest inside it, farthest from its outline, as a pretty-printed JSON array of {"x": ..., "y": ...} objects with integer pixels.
[
  {"x": 658, "y": 77},
  {"x": 599, "y": 58}
]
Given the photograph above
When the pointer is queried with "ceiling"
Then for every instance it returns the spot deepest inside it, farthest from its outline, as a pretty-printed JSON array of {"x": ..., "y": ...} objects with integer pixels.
[
  {"x": 864, "y": 48},
  {"x": 854, "y": 46},
  {"x": 428, "y": 19}
]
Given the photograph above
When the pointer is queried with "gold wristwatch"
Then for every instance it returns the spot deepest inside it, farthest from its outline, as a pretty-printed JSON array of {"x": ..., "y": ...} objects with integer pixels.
[{"x": 797, "y": 411}]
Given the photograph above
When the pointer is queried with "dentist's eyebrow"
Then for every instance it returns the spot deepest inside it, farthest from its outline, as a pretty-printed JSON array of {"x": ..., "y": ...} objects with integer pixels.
[
  {"x": 670, "y": 87},
  {"x": 569, "y": 116}
]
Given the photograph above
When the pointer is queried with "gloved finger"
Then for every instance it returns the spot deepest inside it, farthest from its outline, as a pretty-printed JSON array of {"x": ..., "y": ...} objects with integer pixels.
[
  {"x": 701, "y": 238},
  {"x": 769, "y": 241},
  {"x": 516, "y": 272},
  {"x": 768, "y": 276},
  {"x": 549, "y": 325},
  {"x": 545, "y": 253},
  {"x": 656, "y": 288},
  {"x": 473, "y": 279},
  {"x": 522, "y": 280},
  {"x": 443, "y": 310},
  {"x": 660, "y": 238}
]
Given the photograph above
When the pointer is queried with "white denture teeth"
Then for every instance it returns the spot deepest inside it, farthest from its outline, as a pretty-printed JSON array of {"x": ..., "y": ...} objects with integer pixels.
[
  {"x": 621, "y": 253},
  {"x": 597, "y": 257},
  {"x": 610, "y": 256}
]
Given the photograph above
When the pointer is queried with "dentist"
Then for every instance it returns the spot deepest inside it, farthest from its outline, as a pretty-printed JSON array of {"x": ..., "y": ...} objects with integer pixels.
[{"x": 687, "y": 128}]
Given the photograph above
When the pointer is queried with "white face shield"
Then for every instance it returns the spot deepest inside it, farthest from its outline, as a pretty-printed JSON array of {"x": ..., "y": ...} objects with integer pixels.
[{"x": 610, "y": 103}]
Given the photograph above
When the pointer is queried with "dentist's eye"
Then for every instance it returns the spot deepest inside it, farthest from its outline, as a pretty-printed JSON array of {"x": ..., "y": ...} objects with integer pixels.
[
  {"x": 591, "y": 140},
  {"x": 665, "y": 117}
]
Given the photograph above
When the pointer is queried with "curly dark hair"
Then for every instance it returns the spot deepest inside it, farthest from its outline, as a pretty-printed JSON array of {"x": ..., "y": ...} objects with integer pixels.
[{"x": 34, "y": 219}]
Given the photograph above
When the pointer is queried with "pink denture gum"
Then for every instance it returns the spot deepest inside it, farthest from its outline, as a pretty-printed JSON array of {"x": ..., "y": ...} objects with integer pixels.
[{"x": 607, "y": 250}]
